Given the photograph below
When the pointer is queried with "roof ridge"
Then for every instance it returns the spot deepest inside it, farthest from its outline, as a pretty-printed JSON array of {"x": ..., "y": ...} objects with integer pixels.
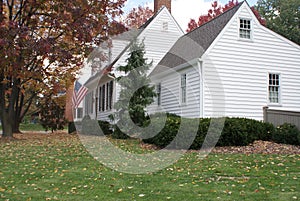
[
  {"x": 218, "y": 16},
  {"x": 151, "y": 18},
  {"x": 194, "y": 44}
]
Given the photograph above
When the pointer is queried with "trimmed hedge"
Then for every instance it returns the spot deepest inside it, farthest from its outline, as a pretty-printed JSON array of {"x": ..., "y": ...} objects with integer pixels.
[
  {"x": 236, "y": 132},
  {"x": 167, "y": 134},
  {"x": 178, "y": 134},
  {"x": 287, "y": 134},
  {"x": 242, "y": 131}
]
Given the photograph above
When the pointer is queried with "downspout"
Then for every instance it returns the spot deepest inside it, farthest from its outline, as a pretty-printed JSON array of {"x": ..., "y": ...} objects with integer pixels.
[{"x": 201, "y": 99}]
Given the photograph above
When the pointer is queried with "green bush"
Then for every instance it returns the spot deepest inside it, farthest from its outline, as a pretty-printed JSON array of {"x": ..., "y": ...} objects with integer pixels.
[
  {"x": 105, "y": 127},
  {"x": 243, "y": 131},
  {"x": 287, "y": 134},
  {"x": 236, "y": 132},
  {"x": 167, "y": 134},
  {"x": 201, "y": 134},
  {"x": 71, "y": 127}
]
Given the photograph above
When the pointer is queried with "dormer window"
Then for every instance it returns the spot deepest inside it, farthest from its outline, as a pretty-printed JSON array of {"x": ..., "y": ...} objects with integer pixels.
[{"x": 245, "y": 29}]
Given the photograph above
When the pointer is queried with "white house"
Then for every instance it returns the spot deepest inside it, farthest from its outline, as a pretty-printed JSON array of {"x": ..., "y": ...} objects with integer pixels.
[
  {"x": 159, "y": 34},
  {"x": 231, "y": 66}
]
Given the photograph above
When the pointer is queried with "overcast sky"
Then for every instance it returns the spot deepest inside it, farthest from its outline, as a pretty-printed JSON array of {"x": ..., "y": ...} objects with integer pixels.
[{"x": 182, "y": 10}]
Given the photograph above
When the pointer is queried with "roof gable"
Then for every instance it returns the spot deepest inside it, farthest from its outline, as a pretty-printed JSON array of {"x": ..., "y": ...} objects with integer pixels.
[
  {"x": 194, "y": 44},
  {"x": 137, "y": 33},
  {"x": 130, "y": 36}
]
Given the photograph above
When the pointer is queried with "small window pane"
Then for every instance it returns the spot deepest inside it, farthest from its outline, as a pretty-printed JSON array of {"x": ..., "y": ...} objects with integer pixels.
[
  {"x": 245, "y": 29},
  {"x": 274, "y": 88}
]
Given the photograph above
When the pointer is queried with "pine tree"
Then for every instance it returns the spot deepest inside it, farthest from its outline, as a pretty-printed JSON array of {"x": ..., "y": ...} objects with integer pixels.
[{"x": 136, "y": 93}]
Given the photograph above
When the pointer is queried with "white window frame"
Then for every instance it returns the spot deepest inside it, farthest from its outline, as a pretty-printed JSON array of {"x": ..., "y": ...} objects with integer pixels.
[
  {"x": 274, "y": 84},
  {"x": 183, "y": 91},
  {"x": 246, "y": 29}
]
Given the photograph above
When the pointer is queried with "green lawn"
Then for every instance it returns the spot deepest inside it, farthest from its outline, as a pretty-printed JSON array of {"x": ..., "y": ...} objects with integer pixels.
[
  {"x": 59, "y": 168},
  {"x": 29, "y": 127},
  {"x": 32, "y": 127}
]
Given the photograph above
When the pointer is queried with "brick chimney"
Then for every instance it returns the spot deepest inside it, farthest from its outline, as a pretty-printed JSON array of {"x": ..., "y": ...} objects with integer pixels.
[{"x": 159, "y": 3}]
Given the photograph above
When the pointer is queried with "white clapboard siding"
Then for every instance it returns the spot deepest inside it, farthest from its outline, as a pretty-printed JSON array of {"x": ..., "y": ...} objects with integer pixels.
[
  {"x": 241, "y": 68},
  {"x": 157, "y": 43},
  {"x": 171, "y": 94},
  {"x": 156, "y": 40},
  {"x": 235, "y": 75},
  {"x": 117, "y": 47}
]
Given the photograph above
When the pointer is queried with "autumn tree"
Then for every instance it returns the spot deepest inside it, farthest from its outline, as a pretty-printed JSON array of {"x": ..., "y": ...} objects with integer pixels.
[
  {"x": 138, "y": 16},
  {"x": 52, "y": 109},
  {"x": 215, "y": 11},
  {"x": 43, "y": 43},
  {"x": 282, "y": 17}
]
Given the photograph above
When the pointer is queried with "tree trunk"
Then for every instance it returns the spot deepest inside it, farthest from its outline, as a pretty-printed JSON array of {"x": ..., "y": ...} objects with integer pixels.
[
  {"x": 16, "y": 127},
  {"x": 8, "y": 113},
  {"x": 7, "y": 127}
]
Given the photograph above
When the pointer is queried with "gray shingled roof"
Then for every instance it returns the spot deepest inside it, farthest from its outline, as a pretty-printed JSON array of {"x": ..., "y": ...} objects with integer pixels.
[{"x": 194, "y": 44}]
